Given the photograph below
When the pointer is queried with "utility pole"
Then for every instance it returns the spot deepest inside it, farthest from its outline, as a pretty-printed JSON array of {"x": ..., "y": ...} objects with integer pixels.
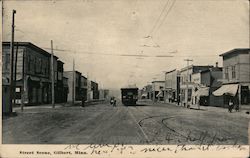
[
  {"x": 73, "y": 83},
  {"x": 11, "y": 61},
  {"x": 165, "y": 93},
  {"x": 187, "y": 80},
  {"x": 15, "y": 71},
  {"x": 52, "y": 77}
]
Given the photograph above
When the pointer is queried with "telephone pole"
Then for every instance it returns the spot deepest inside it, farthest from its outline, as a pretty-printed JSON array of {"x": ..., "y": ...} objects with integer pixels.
[
  {"x": 15, "y": 72},
  {"x": 187, "y": 80},
  {"x": 11, "y": 62},
  {"x": 73, "y": 83},
  {"x": 165, "y": 89},
  {"x": 52, "y": 77}
]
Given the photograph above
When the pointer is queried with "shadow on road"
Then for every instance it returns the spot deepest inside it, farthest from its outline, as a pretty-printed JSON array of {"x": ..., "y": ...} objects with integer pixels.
[
  {"x": 198, "y": 109},
  {"x": 140, "y": 104}
]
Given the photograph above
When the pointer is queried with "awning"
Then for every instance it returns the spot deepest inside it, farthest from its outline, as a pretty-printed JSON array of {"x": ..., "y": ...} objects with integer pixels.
[
  {"x": 144, "y": 95},
  {"x": 229, "y": 89},
  {"x": 204, "y": 91}
]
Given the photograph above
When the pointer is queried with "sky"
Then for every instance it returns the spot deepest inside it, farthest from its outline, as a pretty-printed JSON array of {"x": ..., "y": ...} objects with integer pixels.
[{"x": 122, "y": 42}]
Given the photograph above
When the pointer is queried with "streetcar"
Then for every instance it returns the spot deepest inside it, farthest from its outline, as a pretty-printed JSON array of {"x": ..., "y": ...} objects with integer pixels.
[{"x": 129, "y": 96}]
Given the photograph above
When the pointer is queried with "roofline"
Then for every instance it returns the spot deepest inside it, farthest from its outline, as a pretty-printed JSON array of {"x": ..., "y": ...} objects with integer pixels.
[
  {"x": 30, "y": 45},
  {"x": 185, "y": 68},
  {"x": 60, "y": 61},
  {"x": 83, "y": 76},
  {"x": 94, "y": 82},
  {"x": 211, "y": 70},
  {"x": 239, "y": 50},
  {"x": 170, "y": 71}
]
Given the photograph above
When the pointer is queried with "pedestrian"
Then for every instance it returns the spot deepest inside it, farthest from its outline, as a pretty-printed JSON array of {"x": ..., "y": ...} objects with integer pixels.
[{"x": 230, "y": 105}]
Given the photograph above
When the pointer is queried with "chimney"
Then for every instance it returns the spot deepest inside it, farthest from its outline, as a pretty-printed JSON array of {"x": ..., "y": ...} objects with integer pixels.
[{"x": 216, "y": 64}]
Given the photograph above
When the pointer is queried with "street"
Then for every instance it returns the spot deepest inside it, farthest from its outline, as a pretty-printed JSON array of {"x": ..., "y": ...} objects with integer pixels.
[{"x": 146, "y": 123}]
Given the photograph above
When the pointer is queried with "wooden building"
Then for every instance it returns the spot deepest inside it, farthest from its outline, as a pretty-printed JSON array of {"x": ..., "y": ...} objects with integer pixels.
[
  {"x": 236, "y": 76},
  {"x": 74, "y": 92},
  {"x": 33, "y": 75}
]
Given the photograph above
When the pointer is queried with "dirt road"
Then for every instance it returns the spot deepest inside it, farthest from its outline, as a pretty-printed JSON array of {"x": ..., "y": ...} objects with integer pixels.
[{"x": 145, "y": 123}]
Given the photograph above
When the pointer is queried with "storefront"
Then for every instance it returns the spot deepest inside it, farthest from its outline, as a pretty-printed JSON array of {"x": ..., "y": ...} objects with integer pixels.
[{"x": 228, "y": 91}]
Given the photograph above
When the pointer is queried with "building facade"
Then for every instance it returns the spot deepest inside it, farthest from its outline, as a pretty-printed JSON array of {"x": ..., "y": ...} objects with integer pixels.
[
  {"x": 204, "y": 84},
  {"x": 158, "y": 90},
  {"x": 103, "y": 94},
  {"x": 172, "y": 82},
  {"x": 65, "y": 89},
  {"x": 236, "y": 76},
  {"x": 186, "y": 84},
  {"x": 59, "y": 90},
  {"x": 84, "y": 87},
  {"x": 33, "y": 73},
  {"x": 74, "y": 91},
  {"x": 94, "y": 89},
  {"x": 146, "y": 92}
]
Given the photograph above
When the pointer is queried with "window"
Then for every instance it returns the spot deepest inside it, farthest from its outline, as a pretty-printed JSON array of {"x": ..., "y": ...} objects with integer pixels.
[
  {"x": 226, "y": 73},
  {"x": 7, "y": 61},
  {"x": 59, "y": 76},
  {"x": 233, "y": 72},
  {"x": 29, "y": 63},
  {"x": 39, "y": 65},
  {"x": 189, "y": 94}
]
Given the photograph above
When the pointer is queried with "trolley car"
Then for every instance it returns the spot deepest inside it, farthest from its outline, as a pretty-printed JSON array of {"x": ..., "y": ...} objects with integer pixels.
[{"x": 129, "y": 96}]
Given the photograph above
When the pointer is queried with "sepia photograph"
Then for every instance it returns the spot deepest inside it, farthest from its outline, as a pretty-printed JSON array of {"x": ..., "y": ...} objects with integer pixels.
[{"x": 90, "y": 78}]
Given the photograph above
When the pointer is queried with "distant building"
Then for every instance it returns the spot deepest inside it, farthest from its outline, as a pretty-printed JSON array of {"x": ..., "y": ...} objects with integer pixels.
[
  {"x": 103, "y": 94},
  {"x": 65, "y": 89},
  {"x": 158, "y": 90},
  {"x": 205, "y": 83},
  {"x": 106, "y": 94},
  {"x": 146, "y": 92},
  {"x": 33, "y": 77},
  {"x": 74, "y": 92},
  {"x": 172, "y": 89},
  {"x": 236, "y": 76},
  {"x": 186, "y": 85},
  {"x": 89, "y": 90},
  {"x": 94, "y": 89},
  {"x": 84, "y": 87},
  {"x": 59, "y": 90}
]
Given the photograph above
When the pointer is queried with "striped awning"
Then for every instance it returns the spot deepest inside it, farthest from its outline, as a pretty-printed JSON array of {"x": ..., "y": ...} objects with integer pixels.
[
  {"x": 204, "y": 91},
  {"x": 229, "y": 89}
]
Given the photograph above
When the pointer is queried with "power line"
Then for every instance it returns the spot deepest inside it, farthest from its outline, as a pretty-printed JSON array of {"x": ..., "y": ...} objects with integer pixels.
[
  {"x": 170, "y": 8},
  {"x": 111, "y": 54},
  {"x": 157, "y": 21}
]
